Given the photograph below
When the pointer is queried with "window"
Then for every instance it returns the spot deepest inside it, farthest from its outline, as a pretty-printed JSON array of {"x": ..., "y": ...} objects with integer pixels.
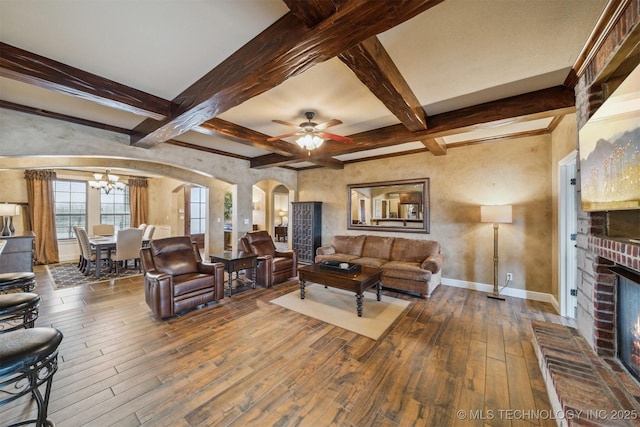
[
  {"x": 198, "y": 210},
  {"x": 115, "y": 209},
  {"x": 70, "y": 207}
]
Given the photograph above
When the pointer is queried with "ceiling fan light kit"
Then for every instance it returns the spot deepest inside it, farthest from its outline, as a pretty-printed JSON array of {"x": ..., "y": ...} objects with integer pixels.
[
  {"x": 309, "y": 141},
  {"x": 311, "y": 135}
]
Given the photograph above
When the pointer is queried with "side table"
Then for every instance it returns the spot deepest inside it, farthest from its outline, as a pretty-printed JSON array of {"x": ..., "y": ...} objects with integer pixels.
[{"x": 234, "y": 262}]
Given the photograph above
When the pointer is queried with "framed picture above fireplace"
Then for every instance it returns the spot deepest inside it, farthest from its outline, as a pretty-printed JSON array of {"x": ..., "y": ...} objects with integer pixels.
[{"x": 610, "y": 151}]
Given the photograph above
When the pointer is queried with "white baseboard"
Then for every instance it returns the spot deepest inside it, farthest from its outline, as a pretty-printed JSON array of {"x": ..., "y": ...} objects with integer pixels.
[{"x": 511, "y": 292}]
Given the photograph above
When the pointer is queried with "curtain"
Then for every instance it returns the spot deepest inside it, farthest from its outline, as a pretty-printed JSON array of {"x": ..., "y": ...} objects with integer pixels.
[
  {"x": 42, "y": 215},
  {"x": 138, "y": 201}
]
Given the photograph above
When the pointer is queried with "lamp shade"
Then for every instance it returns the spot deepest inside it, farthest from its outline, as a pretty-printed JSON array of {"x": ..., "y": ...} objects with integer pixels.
[
  {"x": 496, "y": 214},
  {"x": 7, "y": 209}
]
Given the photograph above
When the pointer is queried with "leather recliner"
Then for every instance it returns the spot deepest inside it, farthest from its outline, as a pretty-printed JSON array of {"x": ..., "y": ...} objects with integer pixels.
[
  {"x": 176, "y": 279},
  {"x": 274, "y": 266}
]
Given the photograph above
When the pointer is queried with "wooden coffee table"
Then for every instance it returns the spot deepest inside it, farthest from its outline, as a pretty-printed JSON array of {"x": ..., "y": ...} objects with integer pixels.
[{"x": 357, "y": 282}]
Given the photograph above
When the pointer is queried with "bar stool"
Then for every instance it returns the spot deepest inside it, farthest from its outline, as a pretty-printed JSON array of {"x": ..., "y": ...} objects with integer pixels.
[
  {"x": 18, "y": 310},
  {"x": 28, "y": 359},
  {"x": 26, "y": 281}
]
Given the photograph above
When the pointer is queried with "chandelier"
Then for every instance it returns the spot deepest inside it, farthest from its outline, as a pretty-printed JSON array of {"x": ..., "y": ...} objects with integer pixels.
[
  {"x": 108, "y": 183},
  {"x": 309, "y": 141}
]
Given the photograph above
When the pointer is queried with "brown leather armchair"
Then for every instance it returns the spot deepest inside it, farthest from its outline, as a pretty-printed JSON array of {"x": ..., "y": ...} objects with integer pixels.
[
  {"x": 274, "y": 266},
  {"x": 176, "y": 279}
]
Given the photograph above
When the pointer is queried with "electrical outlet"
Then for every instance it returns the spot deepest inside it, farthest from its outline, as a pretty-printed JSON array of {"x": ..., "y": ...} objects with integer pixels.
[{"x": 509, "y": 277}]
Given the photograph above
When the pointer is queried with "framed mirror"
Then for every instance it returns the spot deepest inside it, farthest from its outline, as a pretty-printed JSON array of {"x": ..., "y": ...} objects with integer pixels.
[{"x": 389, "y": 206}]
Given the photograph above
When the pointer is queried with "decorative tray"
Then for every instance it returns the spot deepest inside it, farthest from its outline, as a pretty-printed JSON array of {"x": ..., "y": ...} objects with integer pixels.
[{"x": 337, "y": 266}]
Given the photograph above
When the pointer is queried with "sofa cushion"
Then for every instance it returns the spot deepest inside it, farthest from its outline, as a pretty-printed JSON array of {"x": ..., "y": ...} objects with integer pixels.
[
  {"x": 350, "y": 245},
  {"x": 190, "y": 282},
  {"x": 377, "y": 247},
  {"x": 413, "y": 250},
  {"x": 405, "y": 270},
  {"x": 370, "y": 261},
  {"x": 282, "y": 263}
]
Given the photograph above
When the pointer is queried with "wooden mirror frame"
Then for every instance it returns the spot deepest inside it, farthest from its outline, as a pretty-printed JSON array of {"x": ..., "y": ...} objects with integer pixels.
[{"x": 368, "y": 215}]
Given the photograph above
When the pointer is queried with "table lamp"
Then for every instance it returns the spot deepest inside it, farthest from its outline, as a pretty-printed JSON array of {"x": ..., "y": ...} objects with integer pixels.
[{"x": 7, "y": 211}]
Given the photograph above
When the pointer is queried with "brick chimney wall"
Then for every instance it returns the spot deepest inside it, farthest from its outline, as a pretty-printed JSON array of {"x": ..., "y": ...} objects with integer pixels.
[{"x": 596, "y": 283}]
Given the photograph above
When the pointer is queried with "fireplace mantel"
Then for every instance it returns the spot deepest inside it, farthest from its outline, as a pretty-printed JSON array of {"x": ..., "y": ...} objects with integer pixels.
[{"x": 624, "y": 252}]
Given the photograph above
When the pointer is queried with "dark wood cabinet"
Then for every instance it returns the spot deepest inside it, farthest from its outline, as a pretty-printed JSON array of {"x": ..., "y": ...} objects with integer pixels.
[
  {"x": 306, "y": 229},
  {"x": 281, "y": 233},
  {"x": 17, "y": 255}
]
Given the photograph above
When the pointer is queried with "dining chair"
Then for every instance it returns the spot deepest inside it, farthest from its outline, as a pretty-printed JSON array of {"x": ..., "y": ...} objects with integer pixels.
[
  {"x": 148, "y": 232},
  {"x": 128, "y": 244},
  {"x": 103, "y": 230},
  {"x": 142, "y": 226},
  {"x": 81, "y": 259},
  {"x": 88, "y": 254}
]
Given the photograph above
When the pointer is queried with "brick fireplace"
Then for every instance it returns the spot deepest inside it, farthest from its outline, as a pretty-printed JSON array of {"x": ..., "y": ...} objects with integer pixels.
[
  {"x": 605, "y": 239},
  {"x": 580, "y": 365},
  {"x": 599, "y": 289}
]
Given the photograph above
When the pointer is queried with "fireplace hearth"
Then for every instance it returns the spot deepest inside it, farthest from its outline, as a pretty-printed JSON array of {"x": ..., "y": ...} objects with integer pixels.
[{"x": 628, "y": 319}]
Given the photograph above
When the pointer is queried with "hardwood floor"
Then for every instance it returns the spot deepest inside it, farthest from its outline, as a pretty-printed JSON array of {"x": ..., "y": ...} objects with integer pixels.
[{"x": 246, "y": 362}]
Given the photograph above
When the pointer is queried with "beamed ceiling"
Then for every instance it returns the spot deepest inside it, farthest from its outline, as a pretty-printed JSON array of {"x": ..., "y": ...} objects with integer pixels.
[{"x": 402, "y": 76}]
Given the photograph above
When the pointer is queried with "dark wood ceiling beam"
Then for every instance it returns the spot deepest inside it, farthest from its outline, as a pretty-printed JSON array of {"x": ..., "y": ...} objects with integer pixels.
[
  {"x": 510, "y": 136},
  {"x": 27, "y": 67},
  {"x": 529, "y": 106},
  {"x": 243, "y": 135},
  {"x": 437, "y": 146},
  {"x": 204, "y": 149},
  {"x": 64, "y": 117},
  {"x": 273, "y": 160},
  {"x": 312, "y": 12},
  {"x": 285, "y": 49},
  {"x": 246, "y": 136},
  {"x": 549, "y": 102},
  {"x": 373, "y": 66}
]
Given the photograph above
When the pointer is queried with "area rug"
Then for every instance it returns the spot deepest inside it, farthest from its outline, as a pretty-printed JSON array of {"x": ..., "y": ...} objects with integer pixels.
[
  {"x": 67, "y": 275},
  {"x": 338, "y": 307}
]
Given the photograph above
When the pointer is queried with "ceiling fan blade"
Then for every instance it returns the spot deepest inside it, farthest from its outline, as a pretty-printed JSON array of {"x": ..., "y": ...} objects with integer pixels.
[
  {"x": 286, "y": 135},
  {"x": 328, "y": 124},
  {"x": 335, "y": 137},
  {"x": 282, "y": 122}
]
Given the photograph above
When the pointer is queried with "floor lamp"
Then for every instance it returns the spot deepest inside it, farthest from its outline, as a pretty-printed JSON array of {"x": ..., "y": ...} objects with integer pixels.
[{"x": 496, "y": 215}]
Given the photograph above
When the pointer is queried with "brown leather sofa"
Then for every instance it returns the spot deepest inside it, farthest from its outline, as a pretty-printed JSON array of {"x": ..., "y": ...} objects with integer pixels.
[
  {"x": 274, "y": 266},
  {"x": 176, "y": 279},
  {"x": 412, "y": 265}
]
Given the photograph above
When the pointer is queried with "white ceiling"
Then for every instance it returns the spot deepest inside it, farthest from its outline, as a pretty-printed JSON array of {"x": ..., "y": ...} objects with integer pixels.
[{"x": 459, "y": 53}]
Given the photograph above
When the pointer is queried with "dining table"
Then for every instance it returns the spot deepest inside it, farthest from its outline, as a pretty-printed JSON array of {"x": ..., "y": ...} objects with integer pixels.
[{"x": 106, "y": 244}]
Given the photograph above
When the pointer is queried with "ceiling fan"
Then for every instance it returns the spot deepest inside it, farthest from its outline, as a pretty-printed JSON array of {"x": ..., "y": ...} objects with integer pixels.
[{"x": 311, "y": 134}]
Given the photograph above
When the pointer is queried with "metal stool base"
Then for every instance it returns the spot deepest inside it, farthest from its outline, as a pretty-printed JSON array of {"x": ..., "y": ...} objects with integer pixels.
[{"x": 27, "y": 366}]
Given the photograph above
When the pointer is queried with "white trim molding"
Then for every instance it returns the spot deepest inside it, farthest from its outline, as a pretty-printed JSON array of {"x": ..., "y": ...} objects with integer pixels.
[{"x": 510, "y": 292}]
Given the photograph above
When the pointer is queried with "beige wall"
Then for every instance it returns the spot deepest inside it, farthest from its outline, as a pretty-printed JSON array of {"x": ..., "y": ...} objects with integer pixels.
[
  {"x": 522, "y": 172},
  {"x": 516, "y": 172}
]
